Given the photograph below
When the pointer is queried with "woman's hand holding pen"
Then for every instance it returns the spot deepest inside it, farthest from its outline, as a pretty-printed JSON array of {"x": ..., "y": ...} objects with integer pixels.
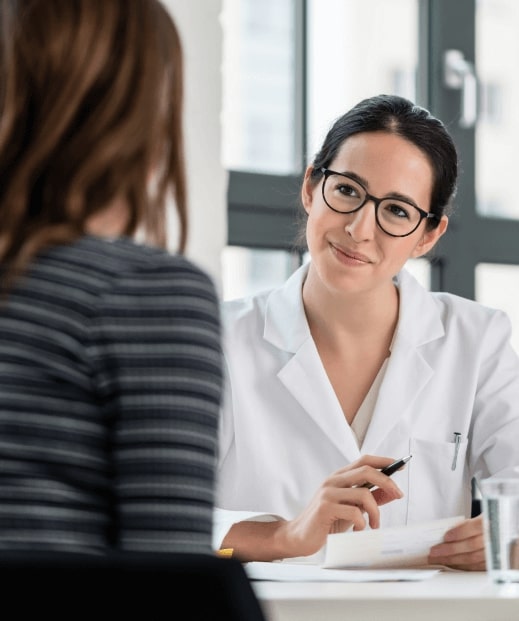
[
  {"x": 342, "y": 501},
  {"x": 463, "y": 547}
]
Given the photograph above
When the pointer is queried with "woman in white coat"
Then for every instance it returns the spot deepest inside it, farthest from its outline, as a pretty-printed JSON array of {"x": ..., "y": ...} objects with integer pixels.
[{"x": 352, "y": 364}]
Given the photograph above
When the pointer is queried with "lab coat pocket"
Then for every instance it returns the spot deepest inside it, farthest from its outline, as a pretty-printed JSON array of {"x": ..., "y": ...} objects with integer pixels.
[{"x": 437, "y": 479}]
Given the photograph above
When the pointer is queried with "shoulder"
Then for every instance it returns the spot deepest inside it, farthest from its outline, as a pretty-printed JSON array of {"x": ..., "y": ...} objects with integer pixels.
[
  {"x": 274, "y": 319},
  {"x": 448, "y": 305},
  {"x": 119, "y": 279},
  {"x": 455, "y": 314},
  {"x": 455, "y": 308},
  {"x": 478, "y": 327},
  {"x": 284, "y": 301},
  {"x": 431, "y": 314},
  {"x": 244, "y": 313},
  {"x": 124, "y": 264}
]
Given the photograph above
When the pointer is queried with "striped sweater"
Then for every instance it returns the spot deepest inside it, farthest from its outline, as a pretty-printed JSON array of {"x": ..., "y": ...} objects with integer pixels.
[{"x": 110, "y": 387}]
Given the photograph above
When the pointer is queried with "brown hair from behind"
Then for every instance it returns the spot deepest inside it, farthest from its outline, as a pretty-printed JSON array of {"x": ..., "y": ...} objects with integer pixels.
[{"x": 90, "y": 111}]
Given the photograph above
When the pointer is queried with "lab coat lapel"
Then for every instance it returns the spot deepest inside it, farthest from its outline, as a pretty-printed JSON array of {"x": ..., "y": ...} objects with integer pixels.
[
  {"x": 305, "y": 378},
  {"x": 406, "y": 375},
  {"x": 408, "y": 370},
  {"x": 303, "y": 374}
]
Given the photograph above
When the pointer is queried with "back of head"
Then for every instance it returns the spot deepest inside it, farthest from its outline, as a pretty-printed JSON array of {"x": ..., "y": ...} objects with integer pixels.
[
  {"x": 90, "y": 112},
  {"x": 397, "y": 115}
]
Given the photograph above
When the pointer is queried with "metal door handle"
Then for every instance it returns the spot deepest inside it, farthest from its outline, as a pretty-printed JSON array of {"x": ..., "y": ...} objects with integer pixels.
[{"x": 459, "y": 74}]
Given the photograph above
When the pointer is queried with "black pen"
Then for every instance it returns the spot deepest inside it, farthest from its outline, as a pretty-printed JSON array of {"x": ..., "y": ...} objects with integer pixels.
[{"x": 389, "y": 470}]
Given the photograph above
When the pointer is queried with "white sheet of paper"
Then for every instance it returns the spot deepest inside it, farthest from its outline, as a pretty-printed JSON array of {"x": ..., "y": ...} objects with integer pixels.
[
  {"x": 400, "y": 546},
  {"x": 299, "y": 572}
]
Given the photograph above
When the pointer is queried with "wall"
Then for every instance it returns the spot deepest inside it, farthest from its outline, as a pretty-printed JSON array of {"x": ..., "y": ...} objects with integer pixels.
[{"x": 200, "y": 29}]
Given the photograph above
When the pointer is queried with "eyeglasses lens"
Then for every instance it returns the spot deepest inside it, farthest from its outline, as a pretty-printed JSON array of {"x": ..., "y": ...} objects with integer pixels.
[{"x": 394, "y": 216}]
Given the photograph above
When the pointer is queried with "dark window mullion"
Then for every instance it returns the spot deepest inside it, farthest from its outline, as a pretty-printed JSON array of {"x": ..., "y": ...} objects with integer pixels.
[
  {"x": 451, "y": 25},
  {"x": 263, "y": 210}
]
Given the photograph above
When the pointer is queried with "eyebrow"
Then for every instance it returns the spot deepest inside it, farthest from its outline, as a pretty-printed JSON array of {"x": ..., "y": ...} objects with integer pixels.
[{"x": 364, "y": 182}]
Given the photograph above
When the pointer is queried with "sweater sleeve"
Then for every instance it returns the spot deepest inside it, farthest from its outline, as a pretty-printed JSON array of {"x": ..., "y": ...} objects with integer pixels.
[{"x": 157, "y": 369}]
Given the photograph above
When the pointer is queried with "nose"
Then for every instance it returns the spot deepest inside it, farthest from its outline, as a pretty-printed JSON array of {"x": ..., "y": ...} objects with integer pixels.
[{"x": 361, "y": 224}]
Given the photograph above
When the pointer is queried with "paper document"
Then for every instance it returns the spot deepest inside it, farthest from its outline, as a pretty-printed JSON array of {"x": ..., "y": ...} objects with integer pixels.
[
  {"x": 400, "y": 546},
  {"x": 294, "y": 572}
]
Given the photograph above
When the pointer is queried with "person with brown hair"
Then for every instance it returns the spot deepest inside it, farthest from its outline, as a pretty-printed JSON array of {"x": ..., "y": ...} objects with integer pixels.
[{"x": 110, "y": 351}]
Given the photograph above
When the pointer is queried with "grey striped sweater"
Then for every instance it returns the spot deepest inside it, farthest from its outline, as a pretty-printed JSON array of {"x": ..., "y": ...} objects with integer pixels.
[{"x": 110, "y": 387}]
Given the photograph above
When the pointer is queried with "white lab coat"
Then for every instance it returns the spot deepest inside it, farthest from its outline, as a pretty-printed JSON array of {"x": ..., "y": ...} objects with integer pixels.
[{"x": 451, "y": 369}]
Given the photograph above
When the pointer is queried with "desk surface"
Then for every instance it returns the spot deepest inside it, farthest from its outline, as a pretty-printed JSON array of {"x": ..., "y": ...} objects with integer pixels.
[{"x": 456, "y": 596}]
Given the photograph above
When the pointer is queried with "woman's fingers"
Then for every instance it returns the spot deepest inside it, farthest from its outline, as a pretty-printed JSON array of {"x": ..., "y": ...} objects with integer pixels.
[
  {"x": 382, "y": 497},
  {"x": 351, "y": 505},
  {"x": 465, "y": 530},
  {"x": 352, "y": 517},
  {"x": 463, "y": 547},
  {"x": 374, "y": 461},
  {"x": 356, "y": 479},
  {"x": 468, "y": 557}
]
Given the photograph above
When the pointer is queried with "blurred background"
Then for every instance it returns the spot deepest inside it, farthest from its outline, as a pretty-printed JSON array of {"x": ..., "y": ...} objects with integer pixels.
[{"x": 266, "y": 79}]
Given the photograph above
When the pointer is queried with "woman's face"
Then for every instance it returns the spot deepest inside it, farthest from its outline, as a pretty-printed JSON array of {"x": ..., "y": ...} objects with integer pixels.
[{"x": 349, "y": 251}]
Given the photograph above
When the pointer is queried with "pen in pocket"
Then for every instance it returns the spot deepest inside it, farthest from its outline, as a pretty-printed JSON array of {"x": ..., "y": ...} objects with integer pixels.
[{"x": 457, "y": 440}]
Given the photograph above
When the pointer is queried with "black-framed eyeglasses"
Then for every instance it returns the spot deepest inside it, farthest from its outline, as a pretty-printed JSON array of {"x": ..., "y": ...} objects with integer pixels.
[{"x": 396, "y": 216}]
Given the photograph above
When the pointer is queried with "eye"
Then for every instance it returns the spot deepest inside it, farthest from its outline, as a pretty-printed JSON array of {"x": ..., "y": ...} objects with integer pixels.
[
  {"x": 347, "y": 190},
  {"x": 396, "y": 210}
]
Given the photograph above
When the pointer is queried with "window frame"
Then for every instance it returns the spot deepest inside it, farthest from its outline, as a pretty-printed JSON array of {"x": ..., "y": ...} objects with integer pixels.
[{"x": 263, "y": 209}]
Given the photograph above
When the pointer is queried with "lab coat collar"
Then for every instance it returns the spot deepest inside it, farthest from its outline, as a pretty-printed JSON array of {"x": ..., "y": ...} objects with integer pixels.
[
  {"x": 286, "y": 326},
  {"x": 419, "y": 315},
  {"x": 304, "y": 376},
  {"x": 285, "y": 319}
]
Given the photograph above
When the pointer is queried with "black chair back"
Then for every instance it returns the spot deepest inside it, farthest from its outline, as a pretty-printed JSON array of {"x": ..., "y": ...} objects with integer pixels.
[{"x": 194, "y": 587}]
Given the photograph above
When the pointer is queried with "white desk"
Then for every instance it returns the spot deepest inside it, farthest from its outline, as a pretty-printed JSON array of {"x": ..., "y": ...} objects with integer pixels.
[{"x": 447, "y": 596}]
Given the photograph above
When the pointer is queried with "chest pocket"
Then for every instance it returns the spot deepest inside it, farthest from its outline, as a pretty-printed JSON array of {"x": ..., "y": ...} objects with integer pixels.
[{"x": 436, "y": 488}]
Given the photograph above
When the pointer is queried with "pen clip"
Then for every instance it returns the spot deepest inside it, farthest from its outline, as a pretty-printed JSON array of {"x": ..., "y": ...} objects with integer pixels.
[{"x": 457, "y": 441}]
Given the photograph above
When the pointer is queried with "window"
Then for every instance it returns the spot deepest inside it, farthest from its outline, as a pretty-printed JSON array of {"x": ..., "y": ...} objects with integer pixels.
[
  {"x": 259, "y": 77},
  {"x": 293, "y": 66},
  {"x": 498, "y": 286}
]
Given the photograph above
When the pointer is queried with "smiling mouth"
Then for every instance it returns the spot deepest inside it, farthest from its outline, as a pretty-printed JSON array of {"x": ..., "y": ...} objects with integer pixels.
[{"x": 352, "y": 255}]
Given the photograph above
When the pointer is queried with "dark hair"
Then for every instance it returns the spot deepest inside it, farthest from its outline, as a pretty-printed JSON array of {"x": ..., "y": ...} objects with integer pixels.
[
  {"x": 396, "y": 115},
  {"x": 90, "y": 106}
]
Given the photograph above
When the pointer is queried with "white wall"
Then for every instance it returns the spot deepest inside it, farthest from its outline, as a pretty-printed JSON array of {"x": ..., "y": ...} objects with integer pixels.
[{"x": 200, "y": 29}]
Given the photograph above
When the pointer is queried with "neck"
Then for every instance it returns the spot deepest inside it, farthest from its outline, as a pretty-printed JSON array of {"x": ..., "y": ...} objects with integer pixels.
[
  {"x": 353, "y": 317},
  {"x": 111, "y": 222}
]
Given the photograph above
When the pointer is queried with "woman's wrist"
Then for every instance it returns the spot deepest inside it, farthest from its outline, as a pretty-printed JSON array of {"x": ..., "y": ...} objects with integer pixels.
[{"x": 258, "y": 541}]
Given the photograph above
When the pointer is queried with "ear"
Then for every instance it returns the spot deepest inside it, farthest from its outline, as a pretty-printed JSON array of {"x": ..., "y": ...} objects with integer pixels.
[
  {"x": 429, "y": 238},
  {"x": 307, "y": 190}
]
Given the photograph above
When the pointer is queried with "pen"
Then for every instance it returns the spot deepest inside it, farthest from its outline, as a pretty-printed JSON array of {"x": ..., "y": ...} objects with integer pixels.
[
  {"x": 457, "y": 440},
  {"x": 389, "y": 470}
]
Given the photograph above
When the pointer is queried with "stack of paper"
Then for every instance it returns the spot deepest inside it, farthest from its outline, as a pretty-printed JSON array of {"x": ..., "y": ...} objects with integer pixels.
[{"x": 400, "y": 546}]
